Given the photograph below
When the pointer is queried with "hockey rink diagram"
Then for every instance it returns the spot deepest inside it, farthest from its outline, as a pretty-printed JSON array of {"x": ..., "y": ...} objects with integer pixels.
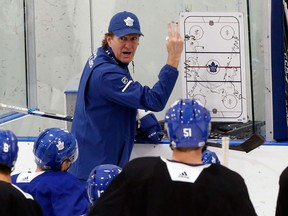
[{"x": 214, "y": 63}]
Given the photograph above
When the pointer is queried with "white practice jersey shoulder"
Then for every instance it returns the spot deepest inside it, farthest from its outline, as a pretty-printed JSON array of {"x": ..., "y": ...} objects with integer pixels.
[
  {"x": 27, "y": 195},
  {"x": 27, "y": 177},
  {"x": 183, "y": 172}
]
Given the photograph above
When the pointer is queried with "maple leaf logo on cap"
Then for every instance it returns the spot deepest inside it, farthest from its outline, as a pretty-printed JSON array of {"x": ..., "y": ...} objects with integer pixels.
[{"x": 129, "y": 21}]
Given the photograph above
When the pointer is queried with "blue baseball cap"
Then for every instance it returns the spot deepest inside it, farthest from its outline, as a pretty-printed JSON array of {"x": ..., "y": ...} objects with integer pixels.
[{"x": 124, "y": 23}]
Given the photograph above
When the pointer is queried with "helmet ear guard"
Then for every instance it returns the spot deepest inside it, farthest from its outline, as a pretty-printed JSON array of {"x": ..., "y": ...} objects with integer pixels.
[{"x": 188, "y": 124}]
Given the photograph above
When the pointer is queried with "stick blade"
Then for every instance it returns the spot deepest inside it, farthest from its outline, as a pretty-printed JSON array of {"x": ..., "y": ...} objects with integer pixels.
[
  {"x": 248, "y": 145},
  {"x": 253, "y": 142}
]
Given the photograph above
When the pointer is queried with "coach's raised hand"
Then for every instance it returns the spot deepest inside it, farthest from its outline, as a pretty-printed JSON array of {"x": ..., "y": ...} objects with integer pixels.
[{"x": 174, "y": 43}]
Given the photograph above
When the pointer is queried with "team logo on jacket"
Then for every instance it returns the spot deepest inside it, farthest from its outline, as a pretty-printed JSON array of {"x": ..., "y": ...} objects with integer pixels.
[
  {"x": 124, "y": 80},
  {"x": 91, "y": 59}
]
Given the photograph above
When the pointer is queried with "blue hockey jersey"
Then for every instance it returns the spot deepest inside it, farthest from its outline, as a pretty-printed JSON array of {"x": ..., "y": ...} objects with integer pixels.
[
  {"x": 106, "y": 108},
  {"x": 58, "y": 193}
]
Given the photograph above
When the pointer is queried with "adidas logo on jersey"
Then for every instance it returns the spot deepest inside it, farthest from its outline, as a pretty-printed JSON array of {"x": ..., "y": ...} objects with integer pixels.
[
  {"x": 25, "y": 179},
  {"x": 183, "y": 175}
]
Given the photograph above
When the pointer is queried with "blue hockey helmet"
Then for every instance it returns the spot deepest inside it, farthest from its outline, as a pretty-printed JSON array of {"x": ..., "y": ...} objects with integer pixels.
[
  {"x": 99, "y": 178},
  {"x": 8, "y": 148},
  {"x": 188, "y": 123},
  {"x": 53, "y": 146},
  {"x": 209, "y": 157}
]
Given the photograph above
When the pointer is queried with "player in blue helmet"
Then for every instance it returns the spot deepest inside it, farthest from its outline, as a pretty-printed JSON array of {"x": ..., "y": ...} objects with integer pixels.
[
  {"x": 57, "y": 191},
  {"x": 13, "y": 200},
  {"x": 187, "y": 117},
  {"x": 98, "y": 180},
  {"x": 182, "y": 184},
  {"x": 188, "y": 124},
  {"x": 8, "y": 148},
  {"x": 53, "y": 147}
]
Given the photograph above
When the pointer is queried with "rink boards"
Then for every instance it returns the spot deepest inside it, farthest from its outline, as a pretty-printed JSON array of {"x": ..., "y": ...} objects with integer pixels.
[{"x": 260, "y": 168}]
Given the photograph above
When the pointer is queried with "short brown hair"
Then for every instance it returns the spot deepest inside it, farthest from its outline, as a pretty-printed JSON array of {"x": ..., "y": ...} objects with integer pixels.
[{"x": 104, "y": 41}]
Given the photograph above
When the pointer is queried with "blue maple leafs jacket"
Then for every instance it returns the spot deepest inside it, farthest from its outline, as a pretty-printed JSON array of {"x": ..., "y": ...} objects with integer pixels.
[{"x": 106, "y": 109}]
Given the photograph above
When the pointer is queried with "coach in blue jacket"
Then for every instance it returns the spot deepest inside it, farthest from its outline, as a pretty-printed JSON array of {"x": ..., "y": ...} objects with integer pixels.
[{"x": 108, "y": 97}]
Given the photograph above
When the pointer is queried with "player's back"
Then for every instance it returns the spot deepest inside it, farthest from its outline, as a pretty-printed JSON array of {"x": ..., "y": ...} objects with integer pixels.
[
  {"x": 58, "y": 193},
  {"x": 156, "y": 186},
  {"x": 204, "y": 189}
]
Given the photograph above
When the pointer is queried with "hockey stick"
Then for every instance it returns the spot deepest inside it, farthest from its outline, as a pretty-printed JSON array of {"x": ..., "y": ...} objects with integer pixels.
[
  {"x": 37, "y": 112},
  {"x": 248, "y": 145}
]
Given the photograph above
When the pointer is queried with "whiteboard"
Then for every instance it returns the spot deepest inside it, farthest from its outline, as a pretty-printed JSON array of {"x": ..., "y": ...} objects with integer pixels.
[{"x": 213, "y": 63}]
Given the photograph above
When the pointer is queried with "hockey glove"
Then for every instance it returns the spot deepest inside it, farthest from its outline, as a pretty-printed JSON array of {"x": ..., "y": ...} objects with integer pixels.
[
  {"x": 150, "y": 126},
  {"x": 209, "y": 157}
]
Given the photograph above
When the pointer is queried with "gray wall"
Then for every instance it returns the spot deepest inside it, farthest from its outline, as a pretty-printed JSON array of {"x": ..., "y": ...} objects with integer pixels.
[{"x": 65, "y": 34}]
